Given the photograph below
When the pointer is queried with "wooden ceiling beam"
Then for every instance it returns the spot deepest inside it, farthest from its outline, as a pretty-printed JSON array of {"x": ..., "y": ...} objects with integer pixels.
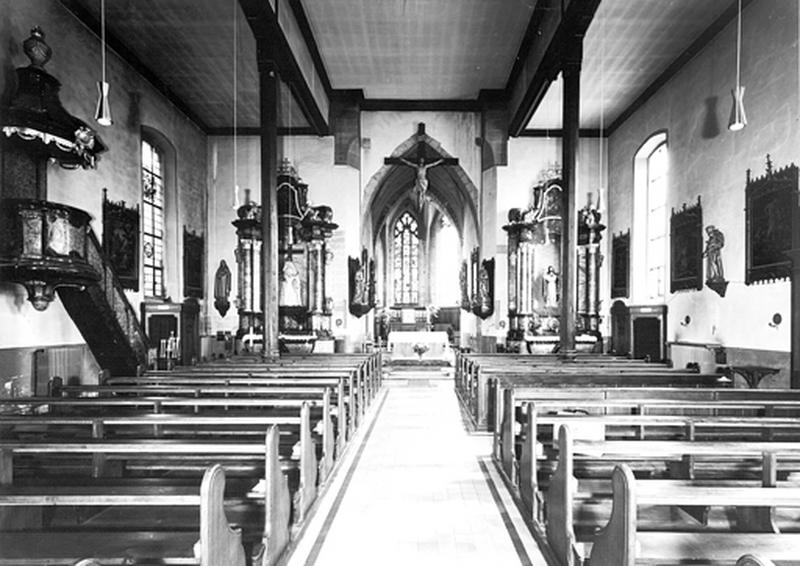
[
  {"x": 273, "y": 45},
  {"x": 554, "y": 23}
]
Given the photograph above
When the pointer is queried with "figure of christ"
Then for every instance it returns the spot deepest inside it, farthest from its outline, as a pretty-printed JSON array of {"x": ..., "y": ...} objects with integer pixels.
[{"x": 421, "y": 169}]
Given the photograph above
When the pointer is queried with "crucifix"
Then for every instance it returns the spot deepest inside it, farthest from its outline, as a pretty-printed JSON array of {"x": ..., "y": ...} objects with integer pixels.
[{"x": 420, "y": 164}]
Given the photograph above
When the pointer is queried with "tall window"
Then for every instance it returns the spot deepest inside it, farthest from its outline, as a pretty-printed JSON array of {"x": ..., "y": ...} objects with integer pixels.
[
  {"x": 406, "y": 260},
  {"x": 153, "y": 219},
  {"x": 448, "y": 264},
  {"x": 656, "y": 221}
]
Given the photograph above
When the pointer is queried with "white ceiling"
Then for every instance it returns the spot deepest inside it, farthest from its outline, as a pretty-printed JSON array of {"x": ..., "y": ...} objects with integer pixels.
[
  {"x": 628, "y": 45},
  {"x": 404, "y": 49},
  {"x": 419, "y": 49}
]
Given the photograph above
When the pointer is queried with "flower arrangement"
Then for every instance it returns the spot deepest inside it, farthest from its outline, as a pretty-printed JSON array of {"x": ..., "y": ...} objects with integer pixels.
[{"x": 420, "y": 349}]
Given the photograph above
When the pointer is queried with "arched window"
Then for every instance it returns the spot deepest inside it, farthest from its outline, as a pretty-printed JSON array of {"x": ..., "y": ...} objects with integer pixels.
[
  {"x": 657, "y": 221},
  {"x": 406, "y": 260},
  {"x": 153, "y": 219},
  {"x": 650, "y": 221}
]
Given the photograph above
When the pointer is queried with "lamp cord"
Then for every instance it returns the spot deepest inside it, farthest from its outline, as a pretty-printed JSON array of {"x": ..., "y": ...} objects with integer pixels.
[
  {"x": 235, "y": 109},
  {"x": 739, "y": 49},
  {"x": 103, "y": 36}
]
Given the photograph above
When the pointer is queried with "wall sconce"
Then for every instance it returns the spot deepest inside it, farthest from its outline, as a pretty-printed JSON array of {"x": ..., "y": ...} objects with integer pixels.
[
  {"x": 687, "y": 320},
  {"x": 776, "y": 320}
]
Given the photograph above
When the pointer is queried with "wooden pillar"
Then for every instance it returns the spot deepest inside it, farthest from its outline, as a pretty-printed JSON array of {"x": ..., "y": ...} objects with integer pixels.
[
  {"x": 269, "y": 83},
  {"x": 571, "y": 71},
  {"x": 794, "y": 378}
]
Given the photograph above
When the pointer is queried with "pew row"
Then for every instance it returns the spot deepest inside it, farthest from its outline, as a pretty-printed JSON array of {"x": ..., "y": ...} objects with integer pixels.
[
  {"x": 753, "y": 508},
  {"x": 621, "y": 543},
  {"x": 218, "y": 542},
  {"x": 479, "y": 387},
  {"x": 636, "y": 401},
  {"x": 167, "y": 454}
]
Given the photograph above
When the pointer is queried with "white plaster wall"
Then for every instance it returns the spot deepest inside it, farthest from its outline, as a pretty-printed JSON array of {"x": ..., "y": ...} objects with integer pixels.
[
  {"x": 134, "y": 103},
  {"x": 708, "y": 160}
]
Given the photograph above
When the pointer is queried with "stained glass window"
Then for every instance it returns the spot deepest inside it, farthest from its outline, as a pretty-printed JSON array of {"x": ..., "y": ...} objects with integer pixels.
[
  {"x": 406, "y": 260},
  {"x": 153, "y": 219}
]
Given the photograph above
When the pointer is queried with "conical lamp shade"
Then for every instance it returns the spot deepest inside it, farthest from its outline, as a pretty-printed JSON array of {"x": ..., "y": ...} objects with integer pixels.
[
  {"x": 103, "y": 112},
  {"x": 738, "y": 118}
]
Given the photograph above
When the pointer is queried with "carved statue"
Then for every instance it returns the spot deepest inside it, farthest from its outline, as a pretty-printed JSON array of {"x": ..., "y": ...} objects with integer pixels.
[
  {"x": 421, "y": 168},
  {"x": 550, "y": 287},
  {"x": 290, "y": 285},
  {"x": 222, "y": 288},
  {"x": 714, "y": 244}
]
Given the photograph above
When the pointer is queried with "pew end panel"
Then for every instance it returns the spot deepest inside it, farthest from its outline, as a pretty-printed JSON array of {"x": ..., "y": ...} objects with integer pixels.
[
  {"x": 277, "y": 505},
  {"x": 528, "y": 470},
  {"x": 558, "y": 504},
  {"x": 615, "y": 544},
  {"x": 307, "y": 490},
  {"x": 219, "y": 543},
  {"x": 754, "y": 560}
]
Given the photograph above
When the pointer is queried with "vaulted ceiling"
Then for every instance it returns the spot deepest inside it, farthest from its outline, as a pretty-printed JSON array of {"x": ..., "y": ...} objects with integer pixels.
[{"x": 418, "y": 50}]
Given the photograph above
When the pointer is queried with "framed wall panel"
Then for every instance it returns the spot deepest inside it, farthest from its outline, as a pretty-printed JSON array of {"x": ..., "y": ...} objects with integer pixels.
[{"x": 686, "y": 248}]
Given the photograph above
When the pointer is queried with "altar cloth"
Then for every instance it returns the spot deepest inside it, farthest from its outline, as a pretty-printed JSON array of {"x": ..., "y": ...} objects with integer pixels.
[{"x": 416, "y": 345}]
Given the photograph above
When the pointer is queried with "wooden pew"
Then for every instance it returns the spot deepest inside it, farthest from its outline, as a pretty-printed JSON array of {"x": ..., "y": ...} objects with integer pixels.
[
  {"x": 218, "y": 543},
  {"x": 331, "y": 436},
  {"x": 351, "y": 395},
  {"x": 481, "y": 390},
  {"x": 620, "y": 543},
  {"x": 636, "y": 400},
  {"x": 564, "y": 488},
  {"x": 168, "y": 453},
  {"x": 274, "y": 498}
]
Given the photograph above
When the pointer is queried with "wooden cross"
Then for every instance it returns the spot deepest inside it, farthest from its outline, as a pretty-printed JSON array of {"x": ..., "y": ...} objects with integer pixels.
[{"x": 420, "y": 164}]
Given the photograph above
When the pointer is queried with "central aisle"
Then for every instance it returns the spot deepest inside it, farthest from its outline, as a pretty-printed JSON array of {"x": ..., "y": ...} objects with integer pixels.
[{"x": 422, "y": 490}]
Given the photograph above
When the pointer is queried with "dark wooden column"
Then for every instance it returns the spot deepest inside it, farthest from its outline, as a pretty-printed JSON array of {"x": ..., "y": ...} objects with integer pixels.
[
  {"x": 269, "y": 82},
  {"x": 571, "y": 72},
  {"x": 795, "y": 318}
]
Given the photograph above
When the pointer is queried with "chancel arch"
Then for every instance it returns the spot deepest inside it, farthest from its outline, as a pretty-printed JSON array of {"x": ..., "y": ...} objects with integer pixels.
[{"x": 391, "y": 193}]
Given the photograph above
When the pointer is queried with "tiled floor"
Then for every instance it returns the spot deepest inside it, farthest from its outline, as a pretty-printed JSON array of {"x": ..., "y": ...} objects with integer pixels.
[{"x": 422, "y": 491}]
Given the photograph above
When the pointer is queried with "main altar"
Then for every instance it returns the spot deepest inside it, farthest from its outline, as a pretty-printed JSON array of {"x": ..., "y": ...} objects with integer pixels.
[{"x": 418, "y": 345}]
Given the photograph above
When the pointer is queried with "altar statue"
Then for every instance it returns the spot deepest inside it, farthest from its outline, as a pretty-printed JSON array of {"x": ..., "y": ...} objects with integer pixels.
[
  {"x": 550, "y": 287},
  {"x": 290, "y": 286}
]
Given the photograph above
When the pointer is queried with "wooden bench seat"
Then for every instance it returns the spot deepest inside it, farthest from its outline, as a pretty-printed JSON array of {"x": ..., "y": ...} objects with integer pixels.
[
  {"x": 642, "y": 401},
  {"x": 167, "y": 454},
  {"x": 480, "y": 395},
  {"x": 565, "y": 523},
  {"x": 348, "y": 389},
  {"x": 272, "y": 498},
  {"x": 218, "y": 542},
  {"x": 620, "y": 543}
]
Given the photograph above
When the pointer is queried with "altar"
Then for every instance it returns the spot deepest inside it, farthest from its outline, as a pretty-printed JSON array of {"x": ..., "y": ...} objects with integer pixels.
[{"x": 411, "y": 345}]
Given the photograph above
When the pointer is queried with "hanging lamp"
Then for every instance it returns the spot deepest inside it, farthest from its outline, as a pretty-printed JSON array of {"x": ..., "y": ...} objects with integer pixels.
[
  {"x": 103, "y": 112},
  {"x": 738, "y": 119}
]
